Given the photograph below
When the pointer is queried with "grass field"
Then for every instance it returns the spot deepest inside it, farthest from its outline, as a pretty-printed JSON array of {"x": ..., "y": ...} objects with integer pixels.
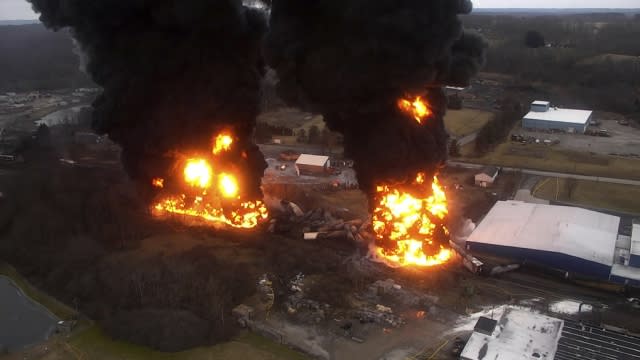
[
  {"x": 466, "y": 121},
  {"x": 546, "y": 158},
  {"x": 591, "y": 194},
  {"x": 93, "y": 344}
]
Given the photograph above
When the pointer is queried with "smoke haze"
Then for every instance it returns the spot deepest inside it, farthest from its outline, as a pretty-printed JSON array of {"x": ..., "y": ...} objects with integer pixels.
[
  {"x": 174, "y": 73},
  {"x": 351, "y": 60}
]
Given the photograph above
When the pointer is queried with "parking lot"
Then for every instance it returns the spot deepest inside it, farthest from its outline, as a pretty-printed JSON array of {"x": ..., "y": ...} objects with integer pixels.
[{"x": 623, "y": 140}]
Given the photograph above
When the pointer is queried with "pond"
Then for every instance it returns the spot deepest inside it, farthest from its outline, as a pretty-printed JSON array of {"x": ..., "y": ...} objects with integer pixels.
[{"x": 23, "y": 322}]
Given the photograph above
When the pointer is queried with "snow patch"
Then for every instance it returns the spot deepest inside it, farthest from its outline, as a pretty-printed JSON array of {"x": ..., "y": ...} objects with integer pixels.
[
  {"x": 568, "y": 307},
  {"x": 399, "y": 354},
  {"x": 520, "y": 334},
  {"x": 469, "y": 322}
]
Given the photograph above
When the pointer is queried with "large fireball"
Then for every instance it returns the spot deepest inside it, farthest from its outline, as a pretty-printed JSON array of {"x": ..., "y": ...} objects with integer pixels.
[
  {"x": 209, "y": 190},
  {"x": 198, "y": 173},
  {"x": 409, "y": 222}
]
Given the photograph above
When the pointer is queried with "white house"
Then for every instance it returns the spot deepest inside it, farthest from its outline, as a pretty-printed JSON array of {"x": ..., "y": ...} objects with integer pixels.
[
  {"x": 312, "y": 164},
  {"x": 487, "y": 176}
]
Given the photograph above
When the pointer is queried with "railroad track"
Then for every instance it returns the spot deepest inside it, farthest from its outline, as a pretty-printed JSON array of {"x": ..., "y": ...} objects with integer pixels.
[{"x": 549, "y": 290}]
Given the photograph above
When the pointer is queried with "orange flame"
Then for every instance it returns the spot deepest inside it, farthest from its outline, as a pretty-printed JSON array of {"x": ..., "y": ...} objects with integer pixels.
[
  {"x": 158, "y": 182},
  {"x": 407, "y": 221},
  {"x": 417, "y": 108},
  {"x": 247, "y": 216},
  {"x": 198, "y": 173},
  {"x": 205, "y": 201},
  {"x": 228, "y": 186},
  {"x": 223, "y": 143}
]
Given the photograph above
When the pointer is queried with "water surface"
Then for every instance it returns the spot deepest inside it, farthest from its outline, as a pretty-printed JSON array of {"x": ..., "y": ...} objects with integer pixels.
[{"x": 23, "y": 322}]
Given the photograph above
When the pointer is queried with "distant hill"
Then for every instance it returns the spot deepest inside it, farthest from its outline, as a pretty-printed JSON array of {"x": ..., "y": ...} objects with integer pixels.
[
  {"x": 18, "y": 22},
  {"x": 34, "y": 58},
  {"x": 543, "y": 11}
]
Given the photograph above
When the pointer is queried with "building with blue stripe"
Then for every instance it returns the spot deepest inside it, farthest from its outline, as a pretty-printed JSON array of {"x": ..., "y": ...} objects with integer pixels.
[{"x": 573, "y": 240}]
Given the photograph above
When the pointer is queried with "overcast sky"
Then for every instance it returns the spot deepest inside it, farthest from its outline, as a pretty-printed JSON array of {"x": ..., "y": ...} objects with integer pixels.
[
  {"x": 16, "y": 10},
  {"x": 557, "y": 4},
  {"x": 21, "y": 9}
]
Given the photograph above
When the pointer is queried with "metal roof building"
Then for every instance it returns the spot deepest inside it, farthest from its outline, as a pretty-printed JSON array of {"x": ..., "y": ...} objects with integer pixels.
[
  {"x": 311, "y": 164},
  {"x": 519, "y": 334},
  {"x": 544, "y": 117},
  {"x": 525, "y": 334},
  {"x": 487, "y": 176},
  {"x": 573, "y": 240}
]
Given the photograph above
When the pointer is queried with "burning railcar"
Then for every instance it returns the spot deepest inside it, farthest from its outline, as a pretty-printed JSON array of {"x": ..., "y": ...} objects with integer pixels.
[
  {"x": 182, "y": 81},
  {"x": 375, "y": 70}
]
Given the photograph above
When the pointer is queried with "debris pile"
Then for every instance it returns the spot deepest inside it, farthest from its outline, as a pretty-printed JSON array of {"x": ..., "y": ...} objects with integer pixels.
[
  {"x": 266, "y": 295},
  {"x": 304, "y": 310},
  {"x": 389, "y": 289},
  {"x": 380, "y": 315},
  {"x": 384, "y": 291},
  {"x": 320, "y": 223}
]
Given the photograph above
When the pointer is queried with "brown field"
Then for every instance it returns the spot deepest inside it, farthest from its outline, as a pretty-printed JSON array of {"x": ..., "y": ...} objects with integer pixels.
[
  {"x": 466, "y": 121},
  {"x": 591, "y": 194},
  {"x": 545, "y": 158},
  {"x": 292, "y": 118}
]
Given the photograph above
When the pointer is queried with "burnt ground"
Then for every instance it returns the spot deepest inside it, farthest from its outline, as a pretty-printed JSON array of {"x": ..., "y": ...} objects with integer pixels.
[{"x": 80, "y": 232}]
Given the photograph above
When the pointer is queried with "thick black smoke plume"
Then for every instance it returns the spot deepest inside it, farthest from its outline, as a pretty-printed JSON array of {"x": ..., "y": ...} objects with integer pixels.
[
  {"x": 174, "y": 73},
  {"x": 351, "y": 60}
]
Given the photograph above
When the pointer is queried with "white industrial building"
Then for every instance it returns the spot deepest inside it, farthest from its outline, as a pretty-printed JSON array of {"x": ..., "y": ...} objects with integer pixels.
[
  {"x": 545, "y": 117},
  {"x": 519, "y": 334},
  {"x": 573, "y": 240},
  {"x": 525, "y": 334},
  {"x": 312, "y": 164}
]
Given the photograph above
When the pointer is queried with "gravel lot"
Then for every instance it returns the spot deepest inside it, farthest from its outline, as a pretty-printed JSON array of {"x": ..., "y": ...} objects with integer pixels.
[{"x": 624, "y": 140}]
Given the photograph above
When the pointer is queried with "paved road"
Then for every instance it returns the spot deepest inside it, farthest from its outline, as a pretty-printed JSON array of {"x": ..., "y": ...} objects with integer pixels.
[{"x": 550, "y": 174}]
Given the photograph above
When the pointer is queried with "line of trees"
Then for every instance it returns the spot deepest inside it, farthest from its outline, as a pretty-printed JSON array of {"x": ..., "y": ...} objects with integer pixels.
[
  {"x": 496, "y": 130},
  {"x": 594, "y": 57}
]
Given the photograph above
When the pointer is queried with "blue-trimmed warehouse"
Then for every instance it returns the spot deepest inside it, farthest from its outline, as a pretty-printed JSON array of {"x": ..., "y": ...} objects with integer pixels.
[{"x": 576, "y": 241}]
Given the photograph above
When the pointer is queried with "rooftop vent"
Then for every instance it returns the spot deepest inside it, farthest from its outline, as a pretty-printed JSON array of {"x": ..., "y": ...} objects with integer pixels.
[
  {"x": 485, "y": 326},
  {"x": 540, "y": 106}
]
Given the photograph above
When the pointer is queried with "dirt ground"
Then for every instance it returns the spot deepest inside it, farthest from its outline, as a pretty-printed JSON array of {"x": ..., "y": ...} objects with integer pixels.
[{"x": 470, "y": 201}]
